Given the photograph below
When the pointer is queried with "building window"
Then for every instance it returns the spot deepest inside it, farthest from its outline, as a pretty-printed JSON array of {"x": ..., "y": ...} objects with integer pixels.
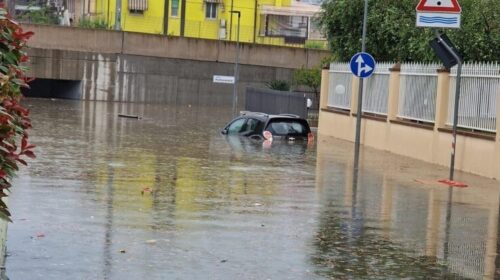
[
  {"x": 211, "y": 10},
  {"x": 294, "y": 28},
  {"x": 175, "y": 8},
  {"x": 137, "y": 6}
]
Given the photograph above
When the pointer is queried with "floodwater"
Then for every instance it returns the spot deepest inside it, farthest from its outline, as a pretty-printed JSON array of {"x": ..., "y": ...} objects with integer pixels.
[{"x": 167, "y": 197}]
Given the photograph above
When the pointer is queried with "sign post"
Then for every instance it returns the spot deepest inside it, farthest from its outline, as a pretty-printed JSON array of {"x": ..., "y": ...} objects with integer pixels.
[
  {"x": 444, "y": 14},
  {"x": 357, "y": 141}
]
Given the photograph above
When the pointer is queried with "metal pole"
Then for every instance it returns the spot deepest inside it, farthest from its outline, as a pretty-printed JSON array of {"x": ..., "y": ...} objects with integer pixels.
[
  {"x": 118, "y": 15},
  {"x": 360, "y": 94},
  {"x": 235, "y": 85},
  {"x": 457, "y": 103}
]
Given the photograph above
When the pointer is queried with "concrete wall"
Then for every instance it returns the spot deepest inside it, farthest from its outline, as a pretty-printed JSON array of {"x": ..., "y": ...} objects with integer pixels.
[
  {"x": 475, "y": 153},
  {"x": 134, "y": 67},
  {"x": 116, "y": 42},
  {"x": 134, "y": 78}
]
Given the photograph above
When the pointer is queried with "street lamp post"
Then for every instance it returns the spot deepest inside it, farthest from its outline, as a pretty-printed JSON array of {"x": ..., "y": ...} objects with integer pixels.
[{"x": 236, "y": 74}]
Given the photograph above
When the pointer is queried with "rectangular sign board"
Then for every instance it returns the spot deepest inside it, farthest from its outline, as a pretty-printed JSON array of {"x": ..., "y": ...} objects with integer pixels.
[
  {"x": 223, "y": 79},
  {"x": 439, "y": 20}
]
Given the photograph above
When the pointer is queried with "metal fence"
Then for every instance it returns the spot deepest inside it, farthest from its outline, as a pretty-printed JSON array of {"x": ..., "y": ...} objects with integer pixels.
[
  {"x": 340, "y": 88},
  {"x": 275, "y": 102},
  {"x": 376, "y": 90},
  {"x": 417, "y": 92},
  {"x": 478, "y": 96}
]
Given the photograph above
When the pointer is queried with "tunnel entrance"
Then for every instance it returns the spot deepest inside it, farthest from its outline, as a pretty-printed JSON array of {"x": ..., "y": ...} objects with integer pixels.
[{"x": 49, "y": 88}]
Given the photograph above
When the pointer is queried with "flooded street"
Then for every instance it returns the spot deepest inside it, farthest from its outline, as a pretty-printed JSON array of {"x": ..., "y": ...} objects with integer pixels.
[{"x": 167, "y": 197}]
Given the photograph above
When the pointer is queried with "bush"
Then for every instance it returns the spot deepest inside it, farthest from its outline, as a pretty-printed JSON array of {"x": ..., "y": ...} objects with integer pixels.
[
  {"x": 316, "y": 45},
  {"x": 14, "y": 118},
  {"x": 44, "y": 15},
  {"x": 280, "y": 85},
  {"x": 308, "y": 77},
  {"x": 92, "y": 23}
]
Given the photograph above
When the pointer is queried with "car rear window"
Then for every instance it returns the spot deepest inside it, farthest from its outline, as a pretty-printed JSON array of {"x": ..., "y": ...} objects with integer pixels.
[{"x": 288, "y": 127}]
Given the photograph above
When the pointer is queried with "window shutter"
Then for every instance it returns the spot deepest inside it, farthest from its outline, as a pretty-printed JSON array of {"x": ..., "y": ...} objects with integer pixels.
[{"x": 138, "y": 5}]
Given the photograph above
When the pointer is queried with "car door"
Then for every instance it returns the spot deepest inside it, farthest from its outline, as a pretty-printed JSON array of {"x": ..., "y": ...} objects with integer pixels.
[
  {"x": 244, "y": 127},
  {"x": 236, "y": 127}
]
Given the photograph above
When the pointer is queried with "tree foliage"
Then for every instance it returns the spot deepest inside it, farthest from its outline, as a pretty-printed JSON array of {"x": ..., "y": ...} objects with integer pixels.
[
  {"x": 392, "y": 34},
  {"x": 42, "y": 15},
  {"x": 14, "y": 118},
  {"x": 308, "y": 77}
]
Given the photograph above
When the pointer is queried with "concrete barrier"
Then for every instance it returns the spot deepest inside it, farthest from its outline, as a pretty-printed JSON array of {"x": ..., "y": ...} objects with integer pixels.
[{"x": 116, "y": 42}]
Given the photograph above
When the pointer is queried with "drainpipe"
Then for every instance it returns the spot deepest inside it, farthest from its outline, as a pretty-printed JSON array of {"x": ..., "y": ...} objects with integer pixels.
[
  {"x": 183, "y": 17},
  {"x": 107, "y": 18},
  {"x": 255, "y": 21},
  {"x": 83, "y": 9},
  {"x": 118, "y": 15},
  {"x": 231, "y": 21},
  {"x": 165, "y": 18}
]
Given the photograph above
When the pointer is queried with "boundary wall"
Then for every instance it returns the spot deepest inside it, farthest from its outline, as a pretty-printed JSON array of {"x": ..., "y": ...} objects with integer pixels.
[
  {"x": 129, "y": 43},
  {"x": 477, "y": 152}
]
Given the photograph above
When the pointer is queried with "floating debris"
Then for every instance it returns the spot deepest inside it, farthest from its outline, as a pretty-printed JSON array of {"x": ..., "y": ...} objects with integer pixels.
[{"x": 129, "y": 116}]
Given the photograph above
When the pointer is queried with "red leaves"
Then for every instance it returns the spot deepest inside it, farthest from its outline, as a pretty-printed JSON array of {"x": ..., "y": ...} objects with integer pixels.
[
  {"x": 22, "y": 36},
  {"x": 14, "y": 118}
]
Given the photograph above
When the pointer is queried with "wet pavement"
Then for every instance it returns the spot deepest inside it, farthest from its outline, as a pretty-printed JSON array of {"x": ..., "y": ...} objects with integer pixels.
[{"x": 167, "y": 197}]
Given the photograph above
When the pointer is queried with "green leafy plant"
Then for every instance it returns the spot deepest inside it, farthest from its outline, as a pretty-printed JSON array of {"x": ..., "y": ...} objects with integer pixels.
[
  {"x": 310, "y": 78},
  {"x": 14, "y": 118},
  {"x": 316, "y": 45},
  {"x": 280, "y": 85},
  {"x": 96, "y": 23},
  {"x": 40, "y": 15}
]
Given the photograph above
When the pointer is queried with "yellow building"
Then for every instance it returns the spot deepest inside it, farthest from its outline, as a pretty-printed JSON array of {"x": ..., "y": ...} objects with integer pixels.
[
  {"x": 131, "y": 15},
  {"x": 276, "y": 22}
]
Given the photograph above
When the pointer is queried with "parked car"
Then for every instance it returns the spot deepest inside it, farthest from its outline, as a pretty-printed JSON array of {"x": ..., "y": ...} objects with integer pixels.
[{"x": 261, "y": 126}]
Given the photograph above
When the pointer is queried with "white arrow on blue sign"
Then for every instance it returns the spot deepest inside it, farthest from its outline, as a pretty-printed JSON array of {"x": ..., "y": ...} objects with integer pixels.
[{"x": 362, "y": 65}]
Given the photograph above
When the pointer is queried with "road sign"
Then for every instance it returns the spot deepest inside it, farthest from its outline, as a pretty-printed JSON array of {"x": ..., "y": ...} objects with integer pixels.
[
  {"x": 223, "y": 79},
  {"x": 438, "y": 13},
  {"x": 448, "y": 59},
  {"x": 362, "y": 65}
]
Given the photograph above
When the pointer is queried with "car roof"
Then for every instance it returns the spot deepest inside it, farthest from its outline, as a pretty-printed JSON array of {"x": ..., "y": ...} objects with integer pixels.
[{"x": 264, "y": 116}]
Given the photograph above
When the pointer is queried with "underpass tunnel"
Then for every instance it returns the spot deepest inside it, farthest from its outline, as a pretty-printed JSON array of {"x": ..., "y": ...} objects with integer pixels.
[{"x": 50, "y": 88}]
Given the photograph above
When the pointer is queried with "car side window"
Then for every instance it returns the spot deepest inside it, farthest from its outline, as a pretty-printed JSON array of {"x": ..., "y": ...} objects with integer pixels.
[
  {"x": 252, "y": 125},
  {"x": 237, "y": 126}
]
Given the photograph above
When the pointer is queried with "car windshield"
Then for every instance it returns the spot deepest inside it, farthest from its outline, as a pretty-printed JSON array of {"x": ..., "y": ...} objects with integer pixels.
[{"x": 288, "y": 127}]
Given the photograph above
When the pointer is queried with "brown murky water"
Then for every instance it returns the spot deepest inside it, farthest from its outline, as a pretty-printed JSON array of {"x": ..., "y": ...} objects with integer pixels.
[{"x": 167, "y": 197}]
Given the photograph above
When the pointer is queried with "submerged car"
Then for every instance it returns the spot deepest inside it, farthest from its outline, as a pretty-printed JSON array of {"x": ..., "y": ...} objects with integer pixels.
[{"x": 267, "y": 127}]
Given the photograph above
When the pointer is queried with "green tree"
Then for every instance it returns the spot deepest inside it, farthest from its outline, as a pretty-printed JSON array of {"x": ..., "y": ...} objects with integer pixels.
[
  {"x": 308, "y": 77},
  {"x": 392, "y": 34}
]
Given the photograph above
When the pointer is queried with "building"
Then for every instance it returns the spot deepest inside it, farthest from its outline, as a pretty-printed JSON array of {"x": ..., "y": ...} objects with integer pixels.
[{"x": 276, "y": 22}]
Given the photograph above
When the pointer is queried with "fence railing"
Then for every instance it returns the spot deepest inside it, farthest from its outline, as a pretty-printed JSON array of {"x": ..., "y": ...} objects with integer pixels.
[
  {"x": 480, "y": 89},
  {"x": 478, "y": 96},
  {"x": 376, "y": 90},
  {"x": 340, "y": 88},
  {"x": 417, "y": 92},
  {"x": 275, "y": 102}
]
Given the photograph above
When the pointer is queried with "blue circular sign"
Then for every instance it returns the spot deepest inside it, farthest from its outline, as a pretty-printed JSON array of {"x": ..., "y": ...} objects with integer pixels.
[{"x": 362, "y": 65}]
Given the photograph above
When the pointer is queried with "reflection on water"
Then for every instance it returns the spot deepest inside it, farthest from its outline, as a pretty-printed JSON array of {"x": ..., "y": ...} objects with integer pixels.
[{"x": 167, "y": 197}]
